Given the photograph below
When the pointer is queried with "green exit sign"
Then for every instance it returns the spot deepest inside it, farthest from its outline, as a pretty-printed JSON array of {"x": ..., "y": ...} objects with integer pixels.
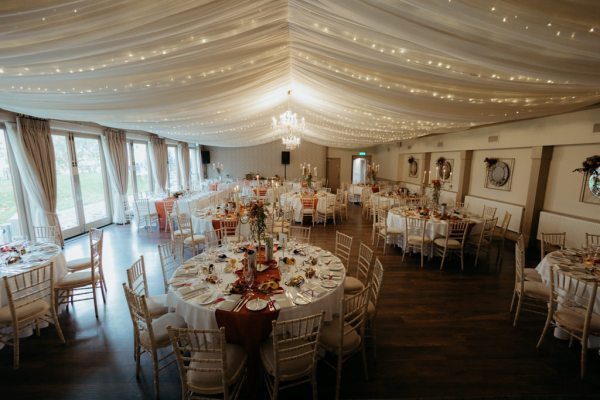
[{"x": 362, "y": 153}]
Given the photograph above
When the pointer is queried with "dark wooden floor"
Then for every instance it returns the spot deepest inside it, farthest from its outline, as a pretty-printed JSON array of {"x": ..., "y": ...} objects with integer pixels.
[{"x": 441, "y": 334}]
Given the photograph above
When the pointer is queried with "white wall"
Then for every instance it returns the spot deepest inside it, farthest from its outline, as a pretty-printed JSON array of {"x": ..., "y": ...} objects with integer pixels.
[
  {"x": 564, "y": 185},
  {"x": 266, "y": 160},
  {"x": 571, "y": 136},
  {"x": 520, "y": 175}
]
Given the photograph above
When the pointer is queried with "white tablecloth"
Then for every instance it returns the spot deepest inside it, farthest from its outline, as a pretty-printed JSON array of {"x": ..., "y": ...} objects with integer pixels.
[
  {"x": 37, "y": 254},
  {"x": 294, "y": 200},
  {"x": 544, "y": 268},
  {"x": 433, "y": 229},
  {"x": 200, "y": 316}
]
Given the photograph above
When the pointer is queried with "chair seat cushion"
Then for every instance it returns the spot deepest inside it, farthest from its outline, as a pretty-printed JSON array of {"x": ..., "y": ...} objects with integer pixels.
[
  {"x": 35, "y": 308},
  {"x": 75, "y": 279},
  {"x": 289, "y": 369},
  {"x": 182, "y": 232},
  {"x": 536, "y": 290},
  {"x": 159, "y": 326},
  {"x": 532, "y": 275},
  {"x": 210, "y": 382},
  {"x": 330, "y": 337},
  {"x": 157, "y": 305},
  {"x": 351, "y": 285},
  {"x": 418, "y": 239},
  {"x": 390, "y": 231},
  {"x": 573, "y": 319},
  {"x": 196, "y": 239},
  {"x": 452, "y": 243},
  {"x": 78, "y": 264}
]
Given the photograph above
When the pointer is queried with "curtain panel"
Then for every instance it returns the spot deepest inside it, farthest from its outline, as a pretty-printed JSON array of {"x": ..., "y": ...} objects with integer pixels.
[
  {"x": 33, "y": 149},
  {"x": 158, "y": 159},
  {"x": 114, "y": 142},
  {"x": 184, "y": 164}
]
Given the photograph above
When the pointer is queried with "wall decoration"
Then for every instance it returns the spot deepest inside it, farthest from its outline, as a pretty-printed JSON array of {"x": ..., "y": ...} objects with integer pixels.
[
  {"x": 444, "y": 170},
  {"x": 413, "y": 167},
  {"x": 499, "y": 172},
  {"x": 590, "y": 189}
]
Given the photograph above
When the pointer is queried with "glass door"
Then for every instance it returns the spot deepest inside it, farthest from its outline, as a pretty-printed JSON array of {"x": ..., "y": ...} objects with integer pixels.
[
  {"x": 82, "y": 200},
  {"x": 359, "y": 169},
  {"x": 140, "y": 182}
]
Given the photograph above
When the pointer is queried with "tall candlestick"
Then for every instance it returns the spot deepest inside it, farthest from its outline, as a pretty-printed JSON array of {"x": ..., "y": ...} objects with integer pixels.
[{"x": 430, "y": 176}]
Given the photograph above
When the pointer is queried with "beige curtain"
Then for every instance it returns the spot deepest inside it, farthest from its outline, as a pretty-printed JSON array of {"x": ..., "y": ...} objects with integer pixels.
[
  {"x": 184, "y": 164},
  {"x": 34, "y": 153},
  {"x": 115, "y": 144},
  {"x": 158, "y": 158}
]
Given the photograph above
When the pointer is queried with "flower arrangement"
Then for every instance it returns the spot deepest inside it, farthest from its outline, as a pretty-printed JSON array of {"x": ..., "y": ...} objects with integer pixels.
[
  {"x": 258, "y": 220},
  {"x": 436, "y": 184},
  {"x": 411, "y": 160},
  {"x": 308, "y": 180},
  {"x": 590, "y": 166},
  {"x": 489, "y": 162},
  {"x": 440, "y": 161},
  {"x": 177, "y": 194}
]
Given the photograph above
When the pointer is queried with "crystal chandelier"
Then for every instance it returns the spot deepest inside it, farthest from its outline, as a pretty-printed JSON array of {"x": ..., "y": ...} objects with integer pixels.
[{"x": 289, "y": 125}]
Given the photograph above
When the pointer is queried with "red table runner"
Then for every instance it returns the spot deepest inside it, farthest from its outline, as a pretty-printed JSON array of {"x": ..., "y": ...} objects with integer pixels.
[{"x": 250, "y": 328}]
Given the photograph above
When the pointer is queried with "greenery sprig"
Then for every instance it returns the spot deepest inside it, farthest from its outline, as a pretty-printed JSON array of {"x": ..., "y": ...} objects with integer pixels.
[{"x": 590, "y": 166}]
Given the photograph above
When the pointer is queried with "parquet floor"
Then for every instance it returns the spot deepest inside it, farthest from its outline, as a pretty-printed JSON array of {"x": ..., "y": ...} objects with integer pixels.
[{"x": 441, "y": 334}]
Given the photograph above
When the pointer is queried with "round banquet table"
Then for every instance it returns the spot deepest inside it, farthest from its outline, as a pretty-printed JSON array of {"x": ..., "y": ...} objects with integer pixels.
[
  {"x": 384, "y": 200},
  {"x": 434, "y": 228},
  {"x": 206, "y": 305},
  {"x": 569, "y": 260},
  {"x": 294, "y": 201},
  {"x": 37, "y": 254}
]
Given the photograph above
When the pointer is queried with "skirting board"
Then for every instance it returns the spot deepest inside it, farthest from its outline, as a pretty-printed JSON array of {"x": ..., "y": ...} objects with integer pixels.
[{"x": 574, "y": 227}]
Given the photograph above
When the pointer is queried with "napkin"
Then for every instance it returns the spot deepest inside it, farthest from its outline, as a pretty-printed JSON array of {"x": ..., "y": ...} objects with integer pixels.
[
  {"x": 230, "y": 303},
  {"x": 282, "y": 300}
]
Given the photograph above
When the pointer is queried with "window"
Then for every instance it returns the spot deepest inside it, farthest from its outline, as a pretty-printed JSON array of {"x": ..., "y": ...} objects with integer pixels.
[
  {"x": 9, "y": 216},
  {"x": 139, "y": 169},
  {"x": 82, "y": 195},
  {"x": 173, "y": 170}
]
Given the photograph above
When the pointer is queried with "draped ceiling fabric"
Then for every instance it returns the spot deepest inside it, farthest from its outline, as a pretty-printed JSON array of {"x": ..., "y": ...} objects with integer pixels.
[
  {"x": 115, "y": 143},
  {"x": 362, "y": 72}
]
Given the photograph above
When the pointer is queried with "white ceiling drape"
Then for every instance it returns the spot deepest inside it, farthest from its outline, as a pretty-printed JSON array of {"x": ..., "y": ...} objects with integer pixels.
[{"x": 362, "y": 72}]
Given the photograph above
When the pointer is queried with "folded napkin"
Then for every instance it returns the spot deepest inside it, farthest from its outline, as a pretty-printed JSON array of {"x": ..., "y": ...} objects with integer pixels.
[
  {"x": 230, "y": 303},
  {"x": 282, "y": 300}
]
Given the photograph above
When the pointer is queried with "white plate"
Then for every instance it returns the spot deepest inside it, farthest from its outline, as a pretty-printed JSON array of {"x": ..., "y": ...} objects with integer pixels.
[
  {"x": 301, "y": 301},
  {"x": 329, "y": 284},
  {"x": 336, "y": 267},
  {"x": 256, "y": 304}
]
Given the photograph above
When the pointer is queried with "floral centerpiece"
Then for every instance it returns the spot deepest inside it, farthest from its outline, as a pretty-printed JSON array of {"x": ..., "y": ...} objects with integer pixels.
[
  {"x": 177, "y": 194},
  {"x": 590, "y": 166},
  {"x": 308, "y": 180},
  {"x": 258, "y": 221},
  {"x": 436, "y": 185}
]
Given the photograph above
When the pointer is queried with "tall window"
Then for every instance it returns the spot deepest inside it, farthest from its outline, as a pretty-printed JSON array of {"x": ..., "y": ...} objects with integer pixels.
[
  {"x": 9, "y": 216},
  {"x": 173, "y": 161},
  {"x": 139, "y": 168},
  {"x": 82, "y": 193}
]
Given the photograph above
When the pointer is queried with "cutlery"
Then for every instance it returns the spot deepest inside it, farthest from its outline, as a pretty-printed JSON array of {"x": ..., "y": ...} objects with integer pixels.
[
  {"x": 193, "y": 293},
  {"x": 241, "y": 303},
  {"x": 246, "y": 300}
]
